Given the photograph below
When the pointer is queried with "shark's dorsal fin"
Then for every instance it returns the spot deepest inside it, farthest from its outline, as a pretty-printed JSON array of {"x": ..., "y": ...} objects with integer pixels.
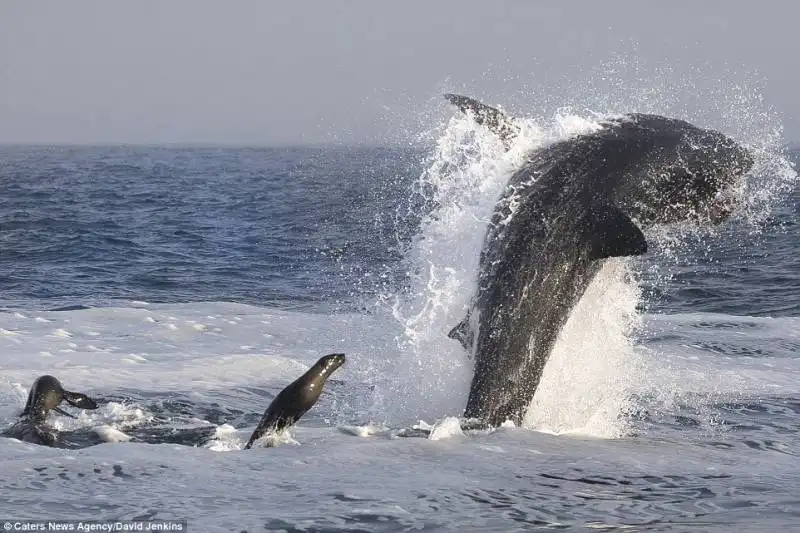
[
  {"x": 611, "y": 233},
  {"x": 498, "y": 122}
]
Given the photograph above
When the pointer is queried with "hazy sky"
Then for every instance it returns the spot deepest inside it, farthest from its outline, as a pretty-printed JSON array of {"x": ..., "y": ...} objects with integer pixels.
[{"x": 264, "y": 72}]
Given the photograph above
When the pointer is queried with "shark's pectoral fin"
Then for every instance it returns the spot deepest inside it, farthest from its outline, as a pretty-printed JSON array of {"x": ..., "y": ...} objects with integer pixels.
[
  {"x": 463, "y": 333},
  {"x": 498, "y": 122},
  {"x": 612, "y": 233}
]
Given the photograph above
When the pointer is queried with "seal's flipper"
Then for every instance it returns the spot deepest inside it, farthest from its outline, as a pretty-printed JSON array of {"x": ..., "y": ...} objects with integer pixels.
[
  {"x": 254, "y": 437},
  {"x": 266, "y": 424},
  {"x": 271, "y": 424},
  {"x": 613, "y": 234},
  {"x": 498, "y": 122},
  {"x": 81, "y": 401},
  {"x": 62, "y": 412},
  {"x": 463, "y": 333},
  {"x": 257, "y": 434}
]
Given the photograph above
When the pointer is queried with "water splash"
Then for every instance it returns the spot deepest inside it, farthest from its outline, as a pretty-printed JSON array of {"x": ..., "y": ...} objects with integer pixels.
[
  {"x": 467, "y": 173},
  {"x": 465, "y": 177},
  {"x": 595, "y": 370}
]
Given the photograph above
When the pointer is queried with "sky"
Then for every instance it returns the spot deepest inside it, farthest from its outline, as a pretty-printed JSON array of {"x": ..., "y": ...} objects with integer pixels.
[{"x": 370, "y": 72}]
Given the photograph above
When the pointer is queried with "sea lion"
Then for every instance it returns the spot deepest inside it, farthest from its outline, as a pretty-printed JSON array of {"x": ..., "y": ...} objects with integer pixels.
[
  {"x": 46, "y": 395},
  {"x": 300, "y": 396}
]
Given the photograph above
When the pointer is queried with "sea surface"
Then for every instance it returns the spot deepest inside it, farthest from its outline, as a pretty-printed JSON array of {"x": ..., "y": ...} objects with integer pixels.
[{"x": 184, "y": 286}]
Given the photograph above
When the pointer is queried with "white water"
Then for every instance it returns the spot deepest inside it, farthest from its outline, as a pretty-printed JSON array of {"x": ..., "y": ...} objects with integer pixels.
[{"x": 336, "y": 470}]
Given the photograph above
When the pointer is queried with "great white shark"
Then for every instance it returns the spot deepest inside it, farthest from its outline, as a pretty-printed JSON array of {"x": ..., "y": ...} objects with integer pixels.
[{"x": 571, "y": 205}]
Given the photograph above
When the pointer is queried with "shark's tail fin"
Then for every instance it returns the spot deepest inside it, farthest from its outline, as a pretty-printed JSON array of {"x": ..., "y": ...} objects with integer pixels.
[{"x": 498, "y": 122}]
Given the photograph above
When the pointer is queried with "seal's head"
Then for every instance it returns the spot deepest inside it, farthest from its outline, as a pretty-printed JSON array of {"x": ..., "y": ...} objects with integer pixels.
[{"x": 327, "y": 364}]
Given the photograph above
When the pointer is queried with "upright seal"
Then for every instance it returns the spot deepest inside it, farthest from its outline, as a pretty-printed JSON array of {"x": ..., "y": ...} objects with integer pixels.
[{"x": 300, "y": 396}]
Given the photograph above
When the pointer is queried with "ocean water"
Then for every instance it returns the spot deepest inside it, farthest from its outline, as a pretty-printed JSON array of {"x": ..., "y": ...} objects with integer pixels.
[{"x": 184, "y": 287}]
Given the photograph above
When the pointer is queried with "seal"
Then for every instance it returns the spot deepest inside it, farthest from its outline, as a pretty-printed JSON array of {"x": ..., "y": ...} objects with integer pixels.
[
  {"x": 569, "y": 207},
  {"x": 46, "y": 395},
  {"x": 292, "y": 402}
]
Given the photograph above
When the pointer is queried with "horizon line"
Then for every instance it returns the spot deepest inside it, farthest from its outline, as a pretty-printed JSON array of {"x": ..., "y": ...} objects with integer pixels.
[
  {"x": 791, "y": 145},
  {"x": 210, "y": 144}
]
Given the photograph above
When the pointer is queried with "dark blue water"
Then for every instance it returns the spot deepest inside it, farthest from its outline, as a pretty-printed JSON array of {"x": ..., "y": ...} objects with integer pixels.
[{"x": 290, "y": 227}]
